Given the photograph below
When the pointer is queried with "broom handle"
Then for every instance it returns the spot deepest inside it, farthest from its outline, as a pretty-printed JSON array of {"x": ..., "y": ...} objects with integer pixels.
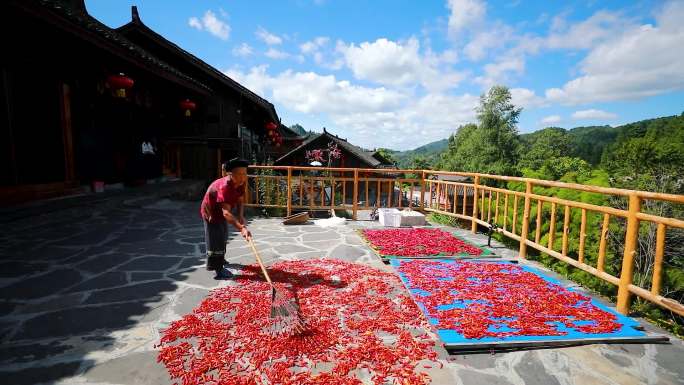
[{"x": 258, "y": 258}]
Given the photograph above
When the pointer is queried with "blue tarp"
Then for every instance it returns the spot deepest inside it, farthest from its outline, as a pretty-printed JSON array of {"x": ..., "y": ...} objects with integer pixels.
[{"x": 451, "y": 337}]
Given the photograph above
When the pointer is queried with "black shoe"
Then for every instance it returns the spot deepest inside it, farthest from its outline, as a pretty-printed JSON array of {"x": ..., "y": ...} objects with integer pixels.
[{"x": 223, "y": 274}]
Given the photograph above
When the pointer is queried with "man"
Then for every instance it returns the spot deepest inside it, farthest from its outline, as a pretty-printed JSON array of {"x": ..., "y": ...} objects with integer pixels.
[{"x": 222, "y": 196}]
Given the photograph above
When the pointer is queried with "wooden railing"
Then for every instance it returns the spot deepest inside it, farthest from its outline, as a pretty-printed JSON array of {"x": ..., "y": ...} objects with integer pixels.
[{"x": 475, "y": 198}]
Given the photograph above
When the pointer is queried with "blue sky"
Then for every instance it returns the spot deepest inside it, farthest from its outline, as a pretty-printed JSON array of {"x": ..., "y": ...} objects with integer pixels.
[{"x": 401, "y": 73}]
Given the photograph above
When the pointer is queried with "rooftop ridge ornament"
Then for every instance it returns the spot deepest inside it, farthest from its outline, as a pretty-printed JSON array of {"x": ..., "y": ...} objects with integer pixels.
[{"x": 135, "y": 17}]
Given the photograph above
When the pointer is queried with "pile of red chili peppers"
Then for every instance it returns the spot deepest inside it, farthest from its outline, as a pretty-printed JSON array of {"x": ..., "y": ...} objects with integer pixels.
[
  {"x": 361, "y": 322},
  {"x": 491, "y": 295},
  {"x": 418, "y": 242}
]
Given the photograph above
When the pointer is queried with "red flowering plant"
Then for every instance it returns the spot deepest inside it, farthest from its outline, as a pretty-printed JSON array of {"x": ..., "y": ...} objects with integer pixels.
[
  {"x": 324, "y": 155},
  {"x": 481, "y": 299},
  {"x": 360, "y": 322},
  {"x": 418, "y": 242}
]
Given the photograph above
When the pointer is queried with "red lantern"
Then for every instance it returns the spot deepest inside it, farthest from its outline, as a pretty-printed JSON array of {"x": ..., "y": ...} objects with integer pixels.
[
  {"x": 120, "y": 83},
  {"x": 271, "y": 126},
  {"x": 188, "y": 106}
]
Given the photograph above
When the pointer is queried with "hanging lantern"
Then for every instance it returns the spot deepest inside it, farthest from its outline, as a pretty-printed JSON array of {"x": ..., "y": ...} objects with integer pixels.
[
  {"x": 188, "y": 106},
  {"x": 270, "y": 126},
  {"x": 120, "y": 83}
]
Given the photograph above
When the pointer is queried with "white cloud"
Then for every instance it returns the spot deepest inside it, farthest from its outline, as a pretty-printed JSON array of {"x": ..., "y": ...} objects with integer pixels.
[
  {"x": 211, "y": 24},
  {"x": 551, "y": 119},
  {"x": 639, "y": 62},
  {"x": 243, "y": 50},
  {"x": 398, "y": 64},
  {"x": 276, "y": 54},
  {"x": 525, "y": 98},
  {"x": 593, "y": 114},
  {"x": 430, "y": 118},
  {"x": 314, "y": 45},
  {"x": 267, "y": 37},
  {"x": 493, "y": 38},
  {"x": 586, "y": 34},
  {"x": 309, "y": 92},
  {"x": 363, "y": 114},
  {"x": 195, "y": 23},
  {"x": 498, "y": 72},
  {"x": 464, "y": 14}
]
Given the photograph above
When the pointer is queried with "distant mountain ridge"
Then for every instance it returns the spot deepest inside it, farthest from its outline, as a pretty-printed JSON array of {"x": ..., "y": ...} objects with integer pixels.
[{"x": 588, "y": 142}]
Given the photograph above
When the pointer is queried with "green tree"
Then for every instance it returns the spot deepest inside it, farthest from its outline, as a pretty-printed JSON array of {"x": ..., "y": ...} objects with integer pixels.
[
  {"x": 491, "y": 146},
  {"x": 539, "y": 147},
  {"x": 387, "y": 154}
]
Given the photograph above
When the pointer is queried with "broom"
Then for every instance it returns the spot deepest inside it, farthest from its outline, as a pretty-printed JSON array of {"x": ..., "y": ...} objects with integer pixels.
[{"x": 285, "y": 312}]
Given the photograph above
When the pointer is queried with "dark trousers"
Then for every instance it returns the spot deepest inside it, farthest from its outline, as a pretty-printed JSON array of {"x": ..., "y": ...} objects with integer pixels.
[{"x": 215, "y": 238}]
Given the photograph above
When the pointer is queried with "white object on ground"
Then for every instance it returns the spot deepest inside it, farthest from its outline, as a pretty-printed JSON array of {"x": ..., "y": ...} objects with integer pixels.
[
  {"x": 412, "y": 218},
  {"x": 330, "y": 222},
  {"x": 389, "y": 217},
  {"x": 395, "y": 218}
]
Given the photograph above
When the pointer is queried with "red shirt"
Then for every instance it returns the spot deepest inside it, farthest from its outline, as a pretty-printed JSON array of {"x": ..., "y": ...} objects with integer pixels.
[{"x": 220, "y": 191}]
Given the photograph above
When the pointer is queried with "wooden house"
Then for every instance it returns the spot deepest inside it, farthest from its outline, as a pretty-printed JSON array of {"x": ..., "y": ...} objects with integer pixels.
[{"x": 80, "y": 100}]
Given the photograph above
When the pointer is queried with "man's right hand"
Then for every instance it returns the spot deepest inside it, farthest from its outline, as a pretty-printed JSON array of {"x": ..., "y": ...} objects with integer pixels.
[{"x": 245, "y": 233}]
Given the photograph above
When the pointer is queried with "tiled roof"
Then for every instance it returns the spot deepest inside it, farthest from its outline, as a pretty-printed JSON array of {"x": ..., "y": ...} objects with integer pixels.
[
  {"x": 138, "y": 25},
  {"x": 365, "y": 156},
  {"x": 78, "y": 17}
]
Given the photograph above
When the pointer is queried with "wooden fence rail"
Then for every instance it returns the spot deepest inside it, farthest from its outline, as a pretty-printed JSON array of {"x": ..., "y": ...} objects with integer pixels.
[{"x": 475, "y": 198}]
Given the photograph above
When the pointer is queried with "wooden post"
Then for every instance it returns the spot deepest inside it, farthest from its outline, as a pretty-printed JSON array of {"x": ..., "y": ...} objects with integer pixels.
[
  {"x": 583, "y": 229},
  {"x": 482, "y": 201},
  {"x": 631, "y": 238},
  {"x": 422, "y": 191},
  {"x": 67, "y": 132},
  {"x": 515, "y": 214},
  {"x": 602, "y": 245},
  {"x": 505, "y": 211},
  {"x": 465, "y": 199},
  {"x": 566, "y": 230},
  {"x": 525, "y": 221},
  {"x": 473, "y": 226},
  {"x": 439, "y": 195},
  {"x": 289, "y": 190},
  {"x": 552, "y": 225},
  {"x": 377, "y": 193},
  {"x": 312, "y": 198},
  {"x": 537, "y": 231},
  {"x": 256, "y": 189},
  {"x": 411, "y": 195},
  {"x": 489, "y": 207},
  {"x": 355, "y": 201},
  {"x": 301, "y": 189},
  {"x": 332, "y": 193},
  {"x": 344, "y": 191},
  {"x": 496, "y": 209},
  {"x": 658, "y": 263}
]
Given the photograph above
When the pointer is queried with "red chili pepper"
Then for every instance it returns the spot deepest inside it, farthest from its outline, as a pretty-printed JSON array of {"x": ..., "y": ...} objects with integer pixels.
[
  {"x": 224, "y": 341},
  {"x": 417, "y": 242}
]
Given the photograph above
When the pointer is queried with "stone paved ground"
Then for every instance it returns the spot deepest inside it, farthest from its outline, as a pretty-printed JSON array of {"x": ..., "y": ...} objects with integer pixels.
[{"x": 86, "y": 290}]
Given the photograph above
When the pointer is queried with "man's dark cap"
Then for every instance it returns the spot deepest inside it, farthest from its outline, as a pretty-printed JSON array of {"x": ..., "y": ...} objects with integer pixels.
[{"x": 237, "y": 162}]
